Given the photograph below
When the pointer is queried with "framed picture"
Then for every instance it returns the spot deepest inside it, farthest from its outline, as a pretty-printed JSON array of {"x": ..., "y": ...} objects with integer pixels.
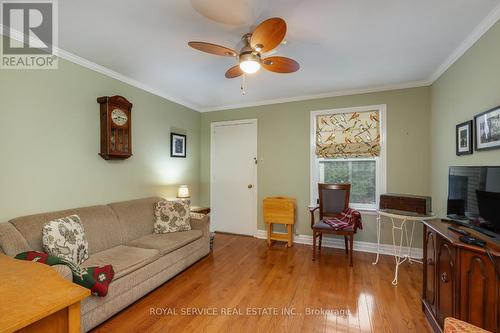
[
  {"x": 177, "y": 145},
  {"x": 487, "y": 128},
  {"x": 464, "y": 138}
]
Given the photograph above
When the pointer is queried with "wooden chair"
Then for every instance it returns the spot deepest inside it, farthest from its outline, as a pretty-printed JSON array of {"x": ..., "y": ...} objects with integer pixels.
[{"x": 333, "y": 199}]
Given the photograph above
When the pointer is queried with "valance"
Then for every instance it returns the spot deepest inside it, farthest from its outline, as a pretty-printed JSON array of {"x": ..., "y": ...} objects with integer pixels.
[{"x": 347, "y": 135}]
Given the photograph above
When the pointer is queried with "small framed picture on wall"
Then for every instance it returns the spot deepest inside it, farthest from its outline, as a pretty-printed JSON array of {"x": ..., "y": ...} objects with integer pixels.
[
  {"x": 487, "y": 126},
  {"x": 464, "y": 138},
  {"x": 177, "y": 145}
]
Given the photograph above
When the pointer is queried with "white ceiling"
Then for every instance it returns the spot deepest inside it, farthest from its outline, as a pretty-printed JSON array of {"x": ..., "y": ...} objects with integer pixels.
[{"x": 342, "y": 45}]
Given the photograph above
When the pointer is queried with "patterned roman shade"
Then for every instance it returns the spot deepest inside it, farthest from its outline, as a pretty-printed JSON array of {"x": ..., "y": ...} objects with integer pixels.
[{"x": 347, "y": 135}]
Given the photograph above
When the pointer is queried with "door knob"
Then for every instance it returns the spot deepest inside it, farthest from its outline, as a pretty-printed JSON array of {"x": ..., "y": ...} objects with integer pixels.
[{"x": 250, "y": 185}]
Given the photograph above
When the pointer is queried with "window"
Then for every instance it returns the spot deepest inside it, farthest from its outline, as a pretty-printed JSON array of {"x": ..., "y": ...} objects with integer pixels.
[{"x": 339, "y": 155}]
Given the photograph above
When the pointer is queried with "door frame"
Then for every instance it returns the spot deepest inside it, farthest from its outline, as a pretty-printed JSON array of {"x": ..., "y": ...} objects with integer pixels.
[{"x": 215, "y": 124}]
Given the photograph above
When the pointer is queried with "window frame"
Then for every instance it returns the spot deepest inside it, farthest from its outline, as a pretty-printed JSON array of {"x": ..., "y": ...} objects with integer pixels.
[{"x": 380, "y": 161}]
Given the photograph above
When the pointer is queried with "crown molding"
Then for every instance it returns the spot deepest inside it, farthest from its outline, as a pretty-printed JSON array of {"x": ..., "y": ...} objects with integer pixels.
[
  {"x": 125, "y": 79},
  {"x": 471, "y": 39},
  {"x": 337, "y": 93},
  {"x": 19, "y": 36}
]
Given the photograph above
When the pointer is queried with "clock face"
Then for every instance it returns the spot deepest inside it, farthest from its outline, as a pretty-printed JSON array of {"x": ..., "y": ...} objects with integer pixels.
[{"x": 119, "y": 117}]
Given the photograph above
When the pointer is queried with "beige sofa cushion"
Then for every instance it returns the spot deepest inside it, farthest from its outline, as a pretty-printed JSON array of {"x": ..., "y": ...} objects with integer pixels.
[
  {"x": 132, "y": 286},
  {"x": 64, "y": 271},
  {"x": 166, "y": 243},
  {"x": 136, "y": 216},
  {"x": 101, "y": 225},
  {"x": 11, "y": 240},
  {"x": 125, "y": 259}
]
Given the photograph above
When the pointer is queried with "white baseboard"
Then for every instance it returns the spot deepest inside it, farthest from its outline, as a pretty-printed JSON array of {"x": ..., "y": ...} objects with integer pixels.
[{"x": 338, "y": 243}]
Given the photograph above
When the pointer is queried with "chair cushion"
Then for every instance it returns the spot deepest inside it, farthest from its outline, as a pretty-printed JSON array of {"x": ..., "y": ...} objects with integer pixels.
[
  {"x": 124, "y": 259},
  {"x": 171, "y": 216},
  {"x": 66, "y": 239},
  {"x": 166, "y": 243},
  {"x": 322, "y": 225}
]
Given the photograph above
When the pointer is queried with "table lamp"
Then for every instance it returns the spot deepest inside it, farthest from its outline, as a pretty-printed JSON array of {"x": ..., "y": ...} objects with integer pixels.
[{"x": 183, "y": 192}]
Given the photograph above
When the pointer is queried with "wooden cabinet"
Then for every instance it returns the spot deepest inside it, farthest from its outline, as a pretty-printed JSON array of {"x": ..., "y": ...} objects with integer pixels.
[
  {"x": 429, "y": 293},
  {"x": 446, "y": 280},
  {"x": 459, "y": 280},
  {"x": 477, "y": 292}
]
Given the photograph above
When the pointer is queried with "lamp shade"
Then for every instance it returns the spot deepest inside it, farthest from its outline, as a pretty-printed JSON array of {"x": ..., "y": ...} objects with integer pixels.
[{"x": 183, "y": 192}]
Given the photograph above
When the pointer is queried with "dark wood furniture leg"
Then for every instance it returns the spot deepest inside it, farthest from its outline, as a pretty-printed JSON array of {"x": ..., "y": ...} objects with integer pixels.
[
  {"x": 351, "y": 250},
  {"x": 320, "y": 241},
  {"x": 314, "y": 244}
]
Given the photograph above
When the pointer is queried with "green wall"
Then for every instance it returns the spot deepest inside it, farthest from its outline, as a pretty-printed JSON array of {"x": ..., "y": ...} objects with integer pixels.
[
  {"x": 468, "y": 87},
  {"x": 49, "y": 142},
  {"x": 283, "y": 147}
]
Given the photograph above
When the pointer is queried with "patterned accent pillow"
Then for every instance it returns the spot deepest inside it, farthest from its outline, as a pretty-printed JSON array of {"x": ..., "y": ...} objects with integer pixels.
[
  {"x": 65, "y": 238},
  {"x": 171, "y": 216}
]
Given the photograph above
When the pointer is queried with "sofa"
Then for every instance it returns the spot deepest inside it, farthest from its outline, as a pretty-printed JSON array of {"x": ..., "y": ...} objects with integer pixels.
[{"x": 120, "y": 234}]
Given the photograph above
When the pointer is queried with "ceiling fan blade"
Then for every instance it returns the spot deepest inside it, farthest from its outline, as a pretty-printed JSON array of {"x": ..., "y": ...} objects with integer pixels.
[
  {"x": 280, "y": 64},
  {"x": 213, "y": 49},
  {"x": 233, "y": 72},
  {"x": 268, "y": 34}
]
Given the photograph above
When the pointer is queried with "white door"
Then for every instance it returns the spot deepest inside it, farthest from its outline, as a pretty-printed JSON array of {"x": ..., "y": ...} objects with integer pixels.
[{"x": 233, "y": 184}]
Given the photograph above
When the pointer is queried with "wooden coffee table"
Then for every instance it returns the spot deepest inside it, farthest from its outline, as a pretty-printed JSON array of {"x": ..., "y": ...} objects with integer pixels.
[{"x": 35, "y": 298}]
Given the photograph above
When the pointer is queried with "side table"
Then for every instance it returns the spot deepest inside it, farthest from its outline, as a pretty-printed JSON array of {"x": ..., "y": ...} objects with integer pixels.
[
  {"x": 200, "y": 210},
  {"x": 399, "y": 220},
  {"x": 279, "y": 210}
]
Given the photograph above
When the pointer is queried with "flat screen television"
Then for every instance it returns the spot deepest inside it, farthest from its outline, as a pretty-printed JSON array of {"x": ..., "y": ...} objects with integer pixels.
[{"x": 474, "y": 197}]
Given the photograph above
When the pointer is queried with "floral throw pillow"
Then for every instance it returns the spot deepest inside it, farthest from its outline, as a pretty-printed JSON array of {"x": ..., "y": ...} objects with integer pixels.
[
  {"x": 65, "y": 238},
  {"x": 171, "y": 216}
]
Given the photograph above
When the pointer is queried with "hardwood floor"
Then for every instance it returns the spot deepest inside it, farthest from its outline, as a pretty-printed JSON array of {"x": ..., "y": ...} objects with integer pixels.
[{"x": 244, "y": 275}]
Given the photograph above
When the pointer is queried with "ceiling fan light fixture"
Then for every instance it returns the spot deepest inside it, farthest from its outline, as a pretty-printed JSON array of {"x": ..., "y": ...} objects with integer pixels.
[
  {"x": 249, "y": 66},
  {"x": 249, "y": 63}
]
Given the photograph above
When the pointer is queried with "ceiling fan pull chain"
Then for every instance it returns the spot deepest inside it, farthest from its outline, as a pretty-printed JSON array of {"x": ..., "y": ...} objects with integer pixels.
[{"x": 242, "y": 87}]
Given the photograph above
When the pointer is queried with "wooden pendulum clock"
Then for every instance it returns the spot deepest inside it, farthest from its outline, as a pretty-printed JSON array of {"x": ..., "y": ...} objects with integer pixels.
[{"x": 116, "y": 128}]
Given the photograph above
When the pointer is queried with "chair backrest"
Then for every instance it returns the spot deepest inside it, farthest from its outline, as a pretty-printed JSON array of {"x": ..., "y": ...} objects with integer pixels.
[{"x": 333, "y": 199}]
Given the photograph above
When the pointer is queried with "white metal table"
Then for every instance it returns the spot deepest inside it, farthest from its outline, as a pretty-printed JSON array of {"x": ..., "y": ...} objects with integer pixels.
[{"x": 399, "y": 220}]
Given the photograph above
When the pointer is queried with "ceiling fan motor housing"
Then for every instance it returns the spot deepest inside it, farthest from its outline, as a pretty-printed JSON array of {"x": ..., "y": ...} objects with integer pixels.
[{"x": 249, "y": 56}]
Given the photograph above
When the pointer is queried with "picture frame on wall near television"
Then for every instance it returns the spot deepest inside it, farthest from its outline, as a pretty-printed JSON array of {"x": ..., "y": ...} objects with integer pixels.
[
  {"x": 463, "y": 139},
  {"x": 487, "y": 129}
]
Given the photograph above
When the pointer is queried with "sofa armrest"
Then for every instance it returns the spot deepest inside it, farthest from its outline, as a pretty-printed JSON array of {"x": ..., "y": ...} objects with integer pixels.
[
  {"x": 201, "y": 222},
  {"x": 11, "y": 240}
]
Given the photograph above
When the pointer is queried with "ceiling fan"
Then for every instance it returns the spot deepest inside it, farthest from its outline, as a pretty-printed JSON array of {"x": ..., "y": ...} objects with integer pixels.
[{"x": 266, "y": 37}]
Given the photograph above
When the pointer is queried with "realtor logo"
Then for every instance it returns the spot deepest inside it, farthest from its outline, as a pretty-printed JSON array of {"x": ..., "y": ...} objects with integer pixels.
[{"x": 30, "y": 35}]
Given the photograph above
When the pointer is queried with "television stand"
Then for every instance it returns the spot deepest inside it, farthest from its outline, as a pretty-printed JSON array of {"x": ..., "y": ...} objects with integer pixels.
[
  {"x": 460, "y": 280},
  {"x": 473, "y": 227}
]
